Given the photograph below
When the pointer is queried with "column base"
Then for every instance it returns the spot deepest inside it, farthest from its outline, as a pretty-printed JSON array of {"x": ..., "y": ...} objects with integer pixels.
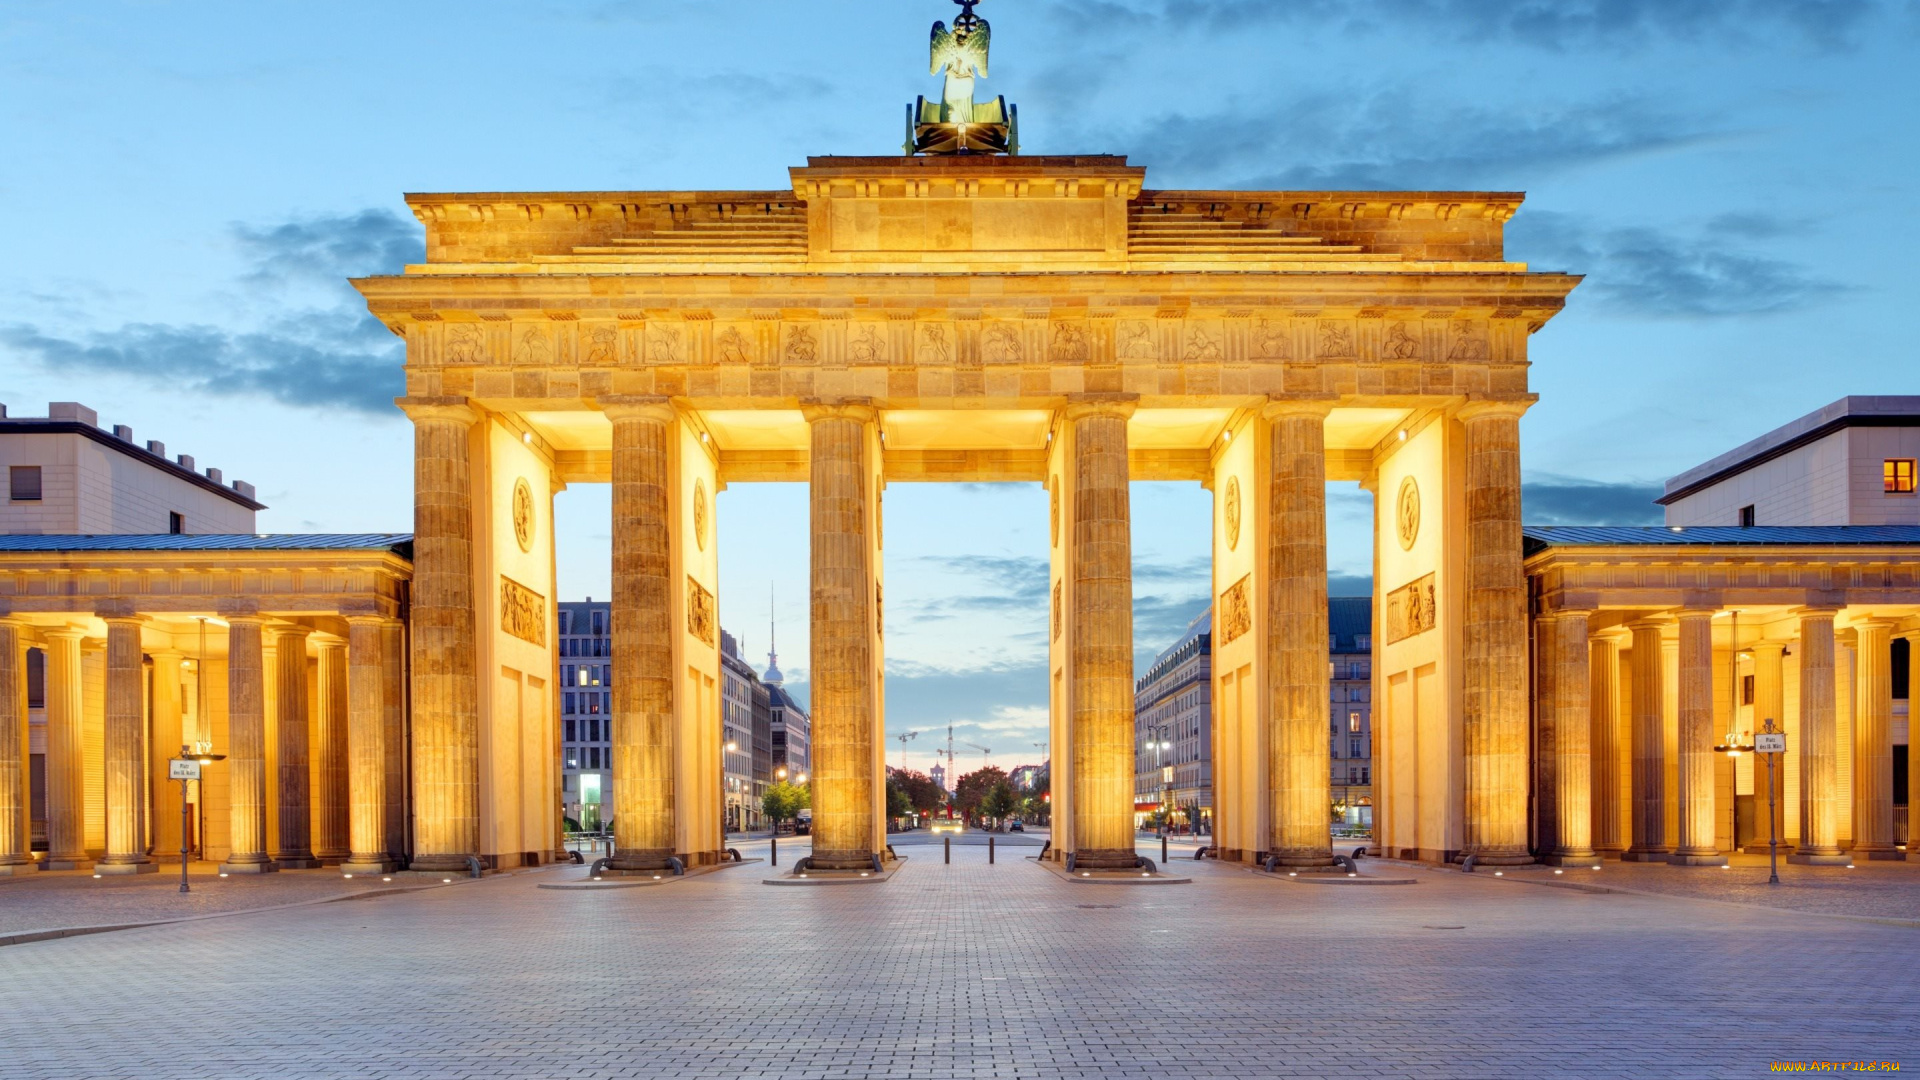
[
  {"x": 367, "y": 866},
  {"x": 1646, "y": 856},
  {"x": 144, "y": 866},
  {"x": 1798, "y": 859},
  {"x": 1714, "y": 859},
  {"x": 1570, "y": 858},
  {"x": 1502, "y": 859},
  {"x": 19, "y": 869},
  {"x": 231, "y": 868},
  {"x": 331, "y": 860},
  {"x": 67, "y": 862},
  {"x": 442, "y": 864},
  {"x": 1096, "y": 859},
  {"x": 296, "y": 862},
  {"x": 1609, "y": 853},
  {"x": 1889, "y": 855}
]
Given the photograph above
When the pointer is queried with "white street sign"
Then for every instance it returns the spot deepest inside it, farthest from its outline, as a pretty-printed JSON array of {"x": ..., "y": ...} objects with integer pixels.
[
  {"x": 1770, "y": 744},
  {"x": 183, "y": 768}
]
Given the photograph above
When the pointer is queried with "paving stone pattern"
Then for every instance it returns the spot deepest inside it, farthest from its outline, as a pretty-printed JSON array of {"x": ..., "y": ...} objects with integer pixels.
[
  {"x": 1884, "y": 890},
  {"x": 967, "y": 971},
  {"x": 47, "y": 901}
]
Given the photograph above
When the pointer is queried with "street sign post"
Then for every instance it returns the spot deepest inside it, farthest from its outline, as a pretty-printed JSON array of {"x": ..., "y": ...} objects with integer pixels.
[
  {"x": 1770, "y": 743},
  {"x": 183, "y": 769}
]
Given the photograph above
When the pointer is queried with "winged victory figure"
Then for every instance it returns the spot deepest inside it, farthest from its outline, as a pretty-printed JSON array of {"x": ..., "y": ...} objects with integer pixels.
[
  {"x": 957, "y": 124},
  {"x": 961, "y": 54}
]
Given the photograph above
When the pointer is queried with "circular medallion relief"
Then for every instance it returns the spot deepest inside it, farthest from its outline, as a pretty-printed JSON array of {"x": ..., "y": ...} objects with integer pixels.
[
  {"x": 700, "y": 514},
  {"x": 523, "y": 514},
  {"x": 1233, "y": 512},
  {"x": 1406, "y": 513}
]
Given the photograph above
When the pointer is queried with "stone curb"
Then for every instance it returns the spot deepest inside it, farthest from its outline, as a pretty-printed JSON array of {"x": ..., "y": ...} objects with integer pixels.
[
  {"x": 1160, "y": 878},
  {"x": 884, "y": 876},
  {"x": 629, "y": 882}
]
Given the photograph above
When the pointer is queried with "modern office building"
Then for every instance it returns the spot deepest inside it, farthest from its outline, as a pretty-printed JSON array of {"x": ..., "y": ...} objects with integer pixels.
[
  {"x": 586, "y": 711},
  {"x": 68, "y": 476},
  {"x": 1850, "y": 463},
  {"x": 746, "y": 738},
  {"x": 790, "y": 731},
  {"x": 1350, "y": 686}
]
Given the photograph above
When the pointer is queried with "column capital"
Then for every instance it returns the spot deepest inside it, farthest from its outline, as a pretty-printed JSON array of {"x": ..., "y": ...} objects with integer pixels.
[
  {"x": 1657, "y": 622},
  {"x": 1569, "y": 612},
  {"x": 1084, "y": 405},
  {"x": 1481, "y": 408},
  {"x": 858, "y": 409},
  {"x": 123, "y": 619},
  {"x": 1816, "y": 611},
  {"x": 1312, "y": 405},
  {"x": 362, "y": 619},
  {"x": 1872, "y": 623},
  {"x": 447, "y": 407},
  {"x": 290, "y": 630},
  {"x": 617, "y": 407},
  {"x": 249, "y": 618},
  {"x": 1612, "y": 635},
  {"x": 63, "y": 633}
]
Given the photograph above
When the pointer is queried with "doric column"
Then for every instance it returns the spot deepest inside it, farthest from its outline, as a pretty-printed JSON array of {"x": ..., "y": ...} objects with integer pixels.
[
  {"x": 1820, "y": 807},
  {"x": 643, "y": 718},
  {"x": 1696, "y": 773},
  {"x": 1873, "y": 743},
  {"x": 844, "y": 624},
  {"x": 366, "y": 752},
  {"x": 126, "y": 715},
  {"x": 1649, "y": 841},
  {"x": 446, "y": 716},
  {"x": 295, "y": 748},
  {"x": 1913, "y": 745},
  {"x": 1769, "y": 703},
  {"x": 1495, "y": 679},
  {"x": 165, "y": 709},
  {"x": 396, "y": 737},
  {"x": 1100, "y": 662},
  {"x": 16, "y": 826},
  {"x": 1296, "y": 645},
  {"x": 1603, "y": 701},
  {"x": 1572, "y": 794},
  {"x": 330, "y": 754},
  {"x": 247, "y": 748},
  {"x": 66, "y": 754}
]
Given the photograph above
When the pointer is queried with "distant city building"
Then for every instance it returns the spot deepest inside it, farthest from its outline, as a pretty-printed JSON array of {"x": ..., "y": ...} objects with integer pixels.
[
  {"x": 1350, "y": 686},
  {"x": 1023, "y": 777},
  {"x": 746, "y": 738},
  {"x": 586, "y": 711},
  {"x": 1173, "y": 727},
  {"x": 1851, "y": 463},
  {"x": 1173, "y": 704},
  {"x": 938, "y": 774},
  {"x": 67, "y": 476},
  {"x": 790, "y": 733}
]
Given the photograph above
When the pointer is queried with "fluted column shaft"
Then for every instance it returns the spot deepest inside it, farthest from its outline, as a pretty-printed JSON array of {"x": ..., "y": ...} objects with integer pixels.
[
  {"x": 1495, "y": 679},
  {"x": 1873, "y": 743},
  {"x": 396, "y": 736},
  {"x": 844, "y": 626},
  {"x": 366, "y": 752},
  {"x": 1100, "y": 661},
  {"x": 446, "y": 718},
  {"x": 1696, "y": 773},
  {"x": 1649, "y": 745},
  {"x": 164, "y": 706},
  {"x": 1769, "y": 703},
  {"x": 16, "y": 826},
  {"x": 330, "y": 755},
  {"x": 1296, "y": 647},
  {"x": 66, "y": 754},
  {"x": 247, "y": 748},
  {"x": 294, "y": 728},
  {"x": 643, "y": 720},
  {"x": 1820, "y": 807},
  {"x": 124, "y": 757},
  {"x": 1603, "y": 698},
  {"x": 1572, "y": 840}
]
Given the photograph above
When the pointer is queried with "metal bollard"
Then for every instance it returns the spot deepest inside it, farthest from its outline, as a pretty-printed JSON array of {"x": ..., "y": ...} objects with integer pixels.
[
  {"x": 989, "y": 849},
  {"x": 1163, "y": 849},
  {"x": 948, "y": 843}
]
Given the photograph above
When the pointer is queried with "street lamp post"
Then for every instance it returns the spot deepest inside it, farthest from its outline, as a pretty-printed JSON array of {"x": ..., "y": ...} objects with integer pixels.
[{"x": 187, "y": 768}]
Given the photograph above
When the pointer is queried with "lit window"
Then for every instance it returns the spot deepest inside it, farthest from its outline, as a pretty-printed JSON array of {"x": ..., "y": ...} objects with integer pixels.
[
  {"x": 1898, "y": 473},
  {"x": 24, "y": 483},
  {"x": 1353, "y": 722}
]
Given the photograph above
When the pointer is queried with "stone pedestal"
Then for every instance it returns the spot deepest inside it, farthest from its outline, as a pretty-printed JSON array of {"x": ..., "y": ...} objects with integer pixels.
[
  {"x": 446, "y": 719},
  {"x": 66, "y": 754},
  {"x": 125, "y": 758},
  {"x": 1696, "y": 842},
  {"x": 1100, "y": 662},
  {"x": 16, "y": 827},
  {"x": 295, "y": 787},
  {"x": 246, "y": 749},
  {"x": 366, "y": 747},
  {"x": 643, "y": 720},
  {"x": 1298, "y": 762},
  {"x": 1494, "y": 730},
  {"x": 1649, "y": 841}
]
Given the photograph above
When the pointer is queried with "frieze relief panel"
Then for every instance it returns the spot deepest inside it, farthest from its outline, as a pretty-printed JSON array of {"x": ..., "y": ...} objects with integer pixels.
[
  {"x": 701, "y": 616},
  {"x": 1410, "y": 609},
  {"x": 523, "y": 612},
  {"x": 1236, "y": 610}
]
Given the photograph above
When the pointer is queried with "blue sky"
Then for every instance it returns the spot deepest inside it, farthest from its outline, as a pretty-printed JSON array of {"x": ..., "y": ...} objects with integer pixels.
[{"x": 188, "y": 185}]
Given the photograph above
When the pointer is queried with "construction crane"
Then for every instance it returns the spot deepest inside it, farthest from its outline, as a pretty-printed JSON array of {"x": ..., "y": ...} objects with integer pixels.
[
  {"x": 903, "y": 747},
  {"x": 985, "y": 754}
]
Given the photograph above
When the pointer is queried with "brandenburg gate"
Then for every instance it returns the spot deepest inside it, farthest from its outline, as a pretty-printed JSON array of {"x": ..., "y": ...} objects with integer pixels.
[{"x": 968, "y": 317}]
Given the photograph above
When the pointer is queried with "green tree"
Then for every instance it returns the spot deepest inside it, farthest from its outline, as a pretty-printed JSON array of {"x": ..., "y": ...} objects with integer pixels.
[
  {"x": 924, "y": 795},
  {"x": 999, "y": 802},
  {"x": 899, "y": 805},
  {"x": 784, "y": 801},
  {"x": 973, "y": 788}
]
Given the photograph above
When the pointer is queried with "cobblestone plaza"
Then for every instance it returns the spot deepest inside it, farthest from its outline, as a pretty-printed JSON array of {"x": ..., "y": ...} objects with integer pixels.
[{"x": 970, "y": 970}]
